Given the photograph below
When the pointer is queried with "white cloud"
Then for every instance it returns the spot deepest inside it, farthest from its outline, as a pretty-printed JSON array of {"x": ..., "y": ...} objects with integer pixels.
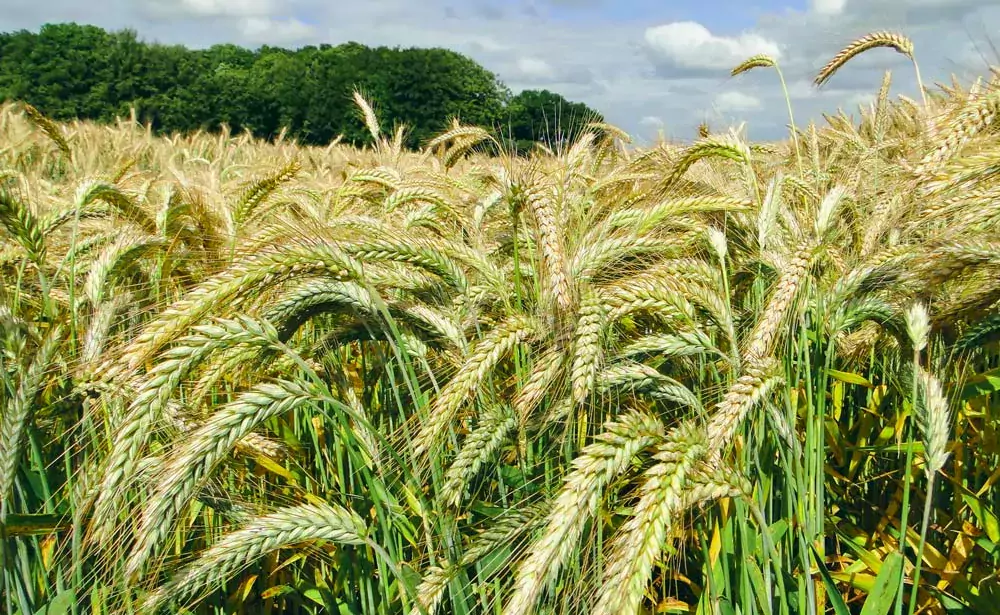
[
  {"x": 233, "y": 8},
  {"x": 860, "y": 99},
  {"x": 487, "y": 44},
  {"x": 802, "y": 88},
  {"x": 690, "y": 45},
  {"x": 533, "y": 69},
  {"x": 736, "y": 101},
  {"x": 829, "y": 7},
  {"x": 276, "y": 31}
]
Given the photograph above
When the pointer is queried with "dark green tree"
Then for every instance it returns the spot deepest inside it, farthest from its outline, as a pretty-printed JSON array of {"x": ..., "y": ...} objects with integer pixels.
[
  {"x": 541, "y": 116},
  {"x": 76, "y": 71}
]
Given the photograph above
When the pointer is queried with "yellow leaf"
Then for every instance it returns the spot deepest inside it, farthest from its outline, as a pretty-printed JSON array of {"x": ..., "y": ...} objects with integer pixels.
[
  {"x": 277, "y": 590},
  {"x": 48, "y": 546},
  {"x": 272, "y": 466},
  {"x": 673, "y": 605},
  {"x": 243, "y": 589},
  {"x": 291, "y": 560}
]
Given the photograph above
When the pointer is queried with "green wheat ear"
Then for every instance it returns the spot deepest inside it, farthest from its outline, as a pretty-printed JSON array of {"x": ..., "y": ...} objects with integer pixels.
[
  {"x": 261, "y": 536},
  {"x": 21, "y": 223},
  {"x": 258, "y": 190}
]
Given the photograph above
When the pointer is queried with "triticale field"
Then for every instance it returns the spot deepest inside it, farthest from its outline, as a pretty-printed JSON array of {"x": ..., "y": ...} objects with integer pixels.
[{"x": 721, "y": 377}]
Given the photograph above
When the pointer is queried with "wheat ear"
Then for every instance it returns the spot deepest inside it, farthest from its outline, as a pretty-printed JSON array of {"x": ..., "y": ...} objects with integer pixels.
[
  {"x": 641, "y": 378},
  {"x": 587, "y": 347},
  {"x": 756, "y": 382},
  {"x": 255, "y": 192},
  {"x": 234, "y": 285},
  {"x": 151, "y": 399},
  {"x": 477, "y": 449},
  {"x": 204, "y": 448},
  {"x": 765, "y": 334},
  {"x": 757, "y": 61},
  {"x": 934, "y": 421},
  {"x": 973, "y": 119},
  {"x": 416, "y": 252},
  {"x": 728, "y": 146},
  {"x": 870, "y": 41},
  {"x": 639, "y": 543},
  {"x": 50, "y": 128},
  {"x": 643, "y": 219},
  {"x": 506, "y": 531},
  {"x": 368, "y": 115},
  {"x": 542, "y": 206},
  {"x": 544, "y": 372},
  {"x": 317, "y": 295},
  {"x": 305, "y": 523},
  {"x": 485, "y": 355},
  {"x": 18, "y": 412},
  {"x": 21, "y": 223},
  {"x": 599, "y": 463}
]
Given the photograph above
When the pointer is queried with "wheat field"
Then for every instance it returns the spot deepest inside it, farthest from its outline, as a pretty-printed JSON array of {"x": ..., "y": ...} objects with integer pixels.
[{"x": 720, "y": 377}]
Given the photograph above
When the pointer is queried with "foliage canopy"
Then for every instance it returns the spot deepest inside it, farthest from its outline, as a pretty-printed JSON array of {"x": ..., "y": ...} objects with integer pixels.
[{"x": 72, "y": 71}]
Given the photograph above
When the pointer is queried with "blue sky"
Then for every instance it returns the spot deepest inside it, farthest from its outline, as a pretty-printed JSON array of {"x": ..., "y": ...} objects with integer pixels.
[
  {"x": 728, "y": 14},
  {"x": 650, "y": 66}
]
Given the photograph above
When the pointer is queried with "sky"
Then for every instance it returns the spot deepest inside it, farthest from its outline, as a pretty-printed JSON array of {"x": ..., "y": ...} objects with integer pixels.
[{"x": 651, "y": 67}]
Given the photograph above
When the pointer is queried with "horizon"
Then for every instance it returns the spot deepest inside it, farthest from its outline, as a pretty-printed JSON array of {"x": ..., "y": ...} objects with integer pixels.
[{"x": 650, "y": 70}]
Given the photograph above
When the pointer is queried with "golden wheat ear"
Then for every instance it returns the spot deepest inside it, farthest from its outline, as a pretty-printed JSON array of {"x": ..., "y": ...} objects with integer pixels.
[
  {"x": 757, "y": 61},
  {"x": 50, "y": 128},
  {"x": 891, "y": 40},
  {"x": 368, "y": 115}
]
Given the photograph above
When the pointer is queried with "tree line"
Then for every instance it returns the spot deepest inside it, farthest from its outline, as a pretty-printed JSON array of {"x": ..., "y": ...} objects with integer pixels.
[{"x": 73, "y": 71}]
